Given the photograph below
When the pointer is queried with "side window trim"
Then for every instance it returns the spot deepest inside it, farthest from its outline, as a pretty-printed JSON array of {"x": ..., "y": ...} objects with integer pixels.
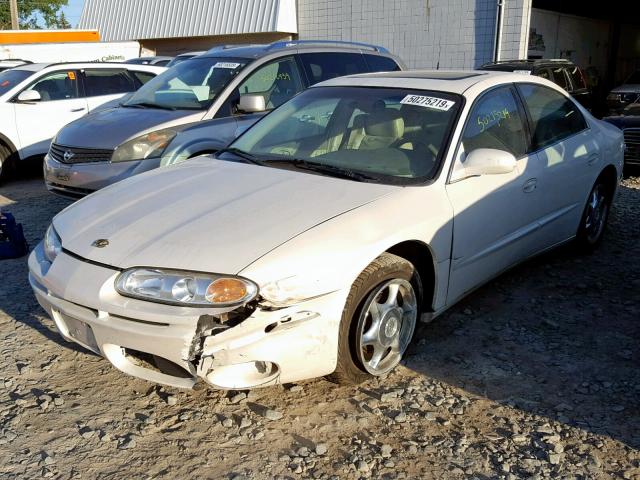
[
  {"x": 524, "y": 112},
  {"x": 303, "y": 73},
  {"x": 567, "y": 96}
]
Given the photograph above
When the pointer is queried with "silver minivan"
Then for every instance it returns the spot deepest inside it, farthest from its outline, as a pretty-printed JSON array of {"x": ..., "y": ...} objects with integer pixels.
[{"x": 225, "y": 84}]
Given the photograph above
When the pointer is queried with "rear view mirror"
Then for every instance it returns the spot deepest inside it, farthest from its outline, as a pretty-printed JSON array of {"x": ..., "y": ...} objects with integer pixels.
[
  {"x": 489, "y": 161},
  {"x": 252, "y": 103},
  {"x": 29, "y": 96}
]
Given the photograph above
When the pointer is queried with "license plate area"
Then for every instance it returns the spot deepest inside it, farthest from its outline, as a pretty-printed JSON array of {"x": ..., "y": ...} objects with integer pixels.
[{"x": 80, "y": 332}]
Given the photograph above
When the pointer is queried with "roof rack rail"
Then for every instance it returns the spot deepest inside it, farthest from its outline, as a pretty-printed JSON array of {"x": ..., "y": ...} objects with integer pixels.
[
  {"x": 289, "y": 43},
  {"x": 231, "y": 45}
]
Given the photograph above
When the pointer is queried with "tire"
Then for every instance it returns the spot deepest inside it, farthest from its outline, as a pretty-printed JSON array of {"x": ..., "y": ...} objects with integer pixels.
[
  {"x": 594, "y": 217},
  {"x": 5, "y": 162},
  {"x": 376, "y": 282}
]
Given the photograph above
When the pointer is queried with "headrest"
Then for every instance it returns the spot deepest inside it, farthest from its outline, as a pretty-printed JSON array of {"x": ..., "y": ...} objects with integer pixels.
[{"x": 384, "y": 123}]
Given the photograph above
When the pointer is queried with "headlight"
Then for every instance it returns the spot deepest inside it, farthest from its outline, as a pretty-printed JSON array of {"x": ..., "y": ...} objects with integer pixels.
[
  {"x": 614, "y": 97},
  {"x": 150, "y": 145},
  {"x": 193, "y": 289},
  {"x": 52, "y": 244}
]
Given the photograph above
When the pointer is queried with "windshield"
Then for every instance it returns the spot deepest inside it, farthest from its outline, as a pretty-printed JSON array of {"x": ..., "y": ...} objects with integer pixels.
[
  {"x": 383, "y": 134},
  {"x": 191, "y": 85},
  {"x": 10, "y": 78},
  {"x": 634, "y": 78}
]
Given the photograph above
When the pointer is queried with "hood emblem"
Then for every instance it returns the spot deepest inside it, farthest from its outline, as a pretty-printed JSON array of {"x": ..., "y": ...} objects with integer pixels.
[
  {"x": 68, "y": 155},
  {"x": 100, "y": 243}
]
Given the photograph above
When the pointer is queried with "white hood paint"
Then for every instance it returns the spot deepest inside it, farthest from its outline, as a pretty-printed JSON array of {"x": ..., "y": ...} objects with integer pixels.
[{"x": 205, "y": 215}]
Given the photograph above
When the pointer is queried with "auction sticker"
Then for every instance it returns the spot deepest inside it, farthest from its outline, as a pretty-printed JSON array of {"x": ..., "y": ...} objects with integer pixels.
[
  {"x": 429, "y": 102},
  {"x": 226, "y": 65}
]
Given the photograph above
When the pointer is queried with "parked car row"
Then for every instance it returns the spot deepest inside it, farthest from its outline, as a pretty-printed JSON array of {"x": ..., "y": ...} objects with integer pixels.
[
  {"x": 213, "y": 97},
  {"x": 313, "y": 243}
]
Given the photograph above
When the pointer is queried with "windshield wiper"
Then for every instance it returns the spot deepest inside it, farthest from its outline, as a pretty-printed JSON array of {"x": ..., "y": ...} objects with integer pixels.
[
  {"x": 330, "y": 170},
  {"x": 246, "y": 156},
  {"x": 147, "y": 105}
]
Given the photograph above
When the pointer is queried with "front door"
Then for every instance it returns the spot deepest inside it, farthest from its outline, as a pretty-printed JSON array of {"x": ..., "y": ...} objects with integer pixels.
[
  {"x": 494, "y": 223},
  {"x": 60, "y": 103}
]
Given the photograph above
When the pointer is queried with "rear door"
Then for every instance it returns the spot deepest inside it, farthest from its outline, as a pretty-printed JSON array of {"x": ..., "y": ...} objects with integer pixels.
[
  {"x": 60, "y": 103},
  {"x": 102, "y": 85},
  {"x": 568, "y": 155}
]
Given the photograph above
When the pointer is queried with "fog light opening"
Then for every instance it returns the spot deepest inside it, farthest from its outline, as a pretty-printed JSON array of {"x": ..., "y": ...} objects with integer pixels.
[{"x": 243, "y": 375}]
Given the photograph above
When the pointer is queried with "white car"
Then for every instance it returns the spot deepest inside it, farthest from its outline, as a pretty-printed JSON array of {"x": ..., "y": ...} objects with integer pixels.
[
  {"x": 38, "y": 99},
  {"x": 313, "y": 244}
]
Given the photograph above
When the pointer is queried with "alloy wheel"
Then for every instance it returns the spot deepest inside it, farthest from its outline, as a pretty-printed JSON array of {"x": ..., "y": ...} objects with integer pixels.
[{"x": 385, "y": 325}]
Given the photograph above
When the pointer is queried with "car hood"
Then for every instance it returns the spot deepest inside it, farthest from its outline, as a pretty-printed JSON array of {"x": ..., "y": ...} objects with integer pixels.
[
  {"x": 205, "y": 215},
  {"x": 106, "y": 129},
  {"x": 628, "y": 88}
]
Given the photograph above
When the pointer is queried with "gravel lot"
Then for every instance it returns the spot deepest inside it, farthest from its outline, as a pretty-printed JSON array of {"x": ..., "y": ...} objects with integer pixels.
[{"x": 536, "y": 375}]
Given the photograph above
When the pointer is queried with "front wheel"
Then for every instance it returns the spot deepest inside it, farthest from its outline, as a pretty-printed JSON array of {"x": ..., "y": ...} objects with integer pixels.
[
  {"x": 594, "y": 217},
  {"x": 379, "y": 319}
]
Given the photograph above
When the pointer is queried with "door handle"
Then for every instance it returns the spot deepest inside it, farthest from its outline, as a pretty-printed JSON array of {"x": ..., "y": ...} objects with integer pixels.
[
  {"x": 530, "y": 185},
  {"x": 78, "y": 109}
]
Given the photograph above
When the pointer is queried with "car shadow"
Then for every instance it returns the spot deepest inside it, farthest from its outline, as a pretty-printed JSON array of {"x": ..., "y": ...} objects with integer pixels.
[
  {"x": 557, "y": 336},
  {"x": 33, "y": 207}
]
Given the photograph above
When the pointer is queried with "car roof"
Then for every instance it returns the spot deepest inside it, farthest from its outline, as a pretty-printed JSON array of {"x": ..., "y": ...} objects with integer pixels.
[
  {"x": 528, "y": 64},
  {"x": 453, "y": 81},
  {"x": 36, "y": 67},
  {"x": 259, "y": 50}
]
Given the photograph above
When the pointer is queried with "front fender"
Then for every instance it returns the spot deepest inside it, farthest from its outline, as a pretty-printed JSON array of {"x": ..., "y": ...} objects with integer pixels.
[{"x": 330, "y": 256}]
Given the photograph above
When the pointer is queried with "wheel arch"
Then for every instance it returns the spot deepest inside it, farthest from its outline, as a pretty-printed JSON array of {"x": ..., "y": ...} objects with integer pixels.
[
  {"x": 423, "y": 259},
  {"x": 9, "y": 144},
  {"x": 609, "y": 175}
]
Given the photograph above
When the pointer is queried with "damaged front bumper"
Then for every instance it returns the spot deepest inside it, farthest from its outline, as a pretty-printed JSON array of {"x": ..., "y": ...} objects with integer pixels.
[{"x": 176, "y": 346}]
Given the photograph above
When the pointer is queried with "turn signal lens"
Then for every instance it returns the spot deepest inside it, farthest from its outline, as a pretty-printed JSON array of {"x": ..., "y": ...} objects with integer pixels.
[{"x": 226, "y": 290}]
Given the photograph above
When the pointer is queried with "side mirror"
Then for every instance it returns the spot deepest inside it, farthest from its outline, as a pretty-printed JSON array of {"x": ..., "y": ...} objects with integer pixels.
[
  {"x": 252, "y": 103},
  {"x": 489, "y": 161},
  {"x": 29, "y": 96}
]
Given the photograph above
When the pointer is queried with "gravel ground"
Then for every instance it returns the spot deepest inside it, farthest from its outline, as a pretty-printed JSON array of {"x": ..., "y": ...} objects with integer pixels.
[{"x": 533, "y": 376}]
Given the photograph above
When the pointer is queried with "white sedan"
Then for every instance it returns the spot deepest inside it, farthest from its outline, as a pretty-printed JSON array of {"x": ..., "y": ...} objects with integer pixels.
[{"x": 314, "y": 244}]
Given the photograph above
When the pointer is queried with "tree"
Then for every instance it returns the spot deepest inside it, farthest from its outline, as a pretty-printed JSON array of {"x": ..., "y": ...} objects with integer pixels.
[{"x": 35, "y": 14}]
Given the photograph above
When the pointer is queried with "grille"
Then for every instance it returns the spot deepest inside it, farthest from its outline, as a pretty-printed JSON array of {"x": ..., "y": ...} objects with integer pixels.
[
  {"x": 79, "y": 155},
  {"x": 632, "y": 144}
]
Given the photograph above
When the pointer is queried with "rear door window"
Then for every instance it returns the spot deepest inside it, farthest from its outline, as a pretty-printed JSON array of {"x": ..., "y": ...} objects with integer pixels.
[
  {"x": 323, "y": 66},
  {"x": 141, "y": 77},
  {"x": 553, "y": 116},
  {"x": 560, "y": 78},
  {"x": 105, "y": 81},
  {"x": 577, "y": 80},
  {"x": 378, "y": 63}
]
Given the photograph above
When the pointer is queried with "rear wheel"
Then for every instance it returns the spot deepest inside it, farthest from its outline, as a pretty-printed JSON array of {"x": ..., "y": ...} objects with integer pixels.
[
  {"x": 379, "y": 319},
  {"x": 594, "y": 217}
]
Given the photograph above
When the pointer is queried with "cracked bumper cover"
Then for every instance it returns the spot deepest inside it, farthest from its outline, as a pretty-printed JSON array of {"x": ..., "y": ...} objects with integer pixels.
[{"x": 266, "y": 348}]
